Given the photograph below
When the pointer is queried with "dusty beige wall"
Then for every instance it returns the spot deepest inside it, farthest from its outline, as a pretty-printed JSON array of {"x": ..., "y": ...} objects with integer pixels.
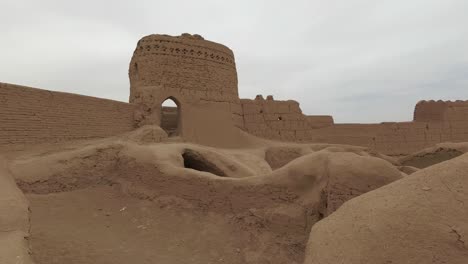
[
  {"x": 435, "y": 122},
  {"x": 352, "y": 134},
  {"x": 30, "y": 116},
  {"x": 209, "y": 123},
  {"x": 389, "y": 138},
  {"x": 397, "y": 138},
  {"x": 456, "y": 119},
  {"x": 426, "y": 111},
  {"x": 284, "y": 120},
  {"x": 281, "y": 120},
  {"x": 317, "y": 121}
]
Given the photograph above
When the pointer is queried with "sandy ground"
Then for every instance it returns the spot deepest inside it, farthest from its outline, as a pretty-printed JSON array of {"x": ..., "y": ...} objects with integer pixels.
[
  {"x": 121, "y": 202},
  {"x": 128, "y": 200},
  {"x": 102, "y": 225}
]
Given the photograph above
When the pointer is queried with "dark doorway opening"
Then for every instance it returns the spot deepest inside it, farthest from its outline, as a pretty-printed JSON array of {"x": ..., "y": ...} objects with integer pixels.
[
  {"x": 170, "y": 114},
  {"x": 196, "y": 161}
]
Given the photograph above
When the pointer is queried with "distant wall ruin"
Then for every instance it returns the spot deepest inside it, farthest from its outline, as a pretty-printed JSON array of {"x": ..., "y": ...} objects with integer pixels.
[
  {"x": 280, "y": 120},
  {"x": 32, "y": 116},
  {"x": 434, "y": 122}
]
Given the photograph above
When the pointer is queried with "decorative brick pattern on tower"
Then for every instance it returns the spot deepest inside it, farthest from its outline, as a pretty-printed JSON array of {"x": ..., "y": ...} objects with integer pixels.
[{"x": 185, "y": 67}]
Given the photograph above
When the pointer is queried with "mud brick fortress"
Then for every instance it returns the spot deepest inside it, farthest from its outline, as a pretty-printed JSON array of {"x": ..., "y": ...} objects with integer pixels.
[{"x": 200, "y": 77}]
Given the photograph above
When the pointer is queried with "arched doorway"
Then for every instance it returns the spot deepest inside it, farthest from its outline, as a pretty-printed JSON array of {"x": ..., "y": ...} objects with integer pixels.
[{"x": 170, "y": 114}]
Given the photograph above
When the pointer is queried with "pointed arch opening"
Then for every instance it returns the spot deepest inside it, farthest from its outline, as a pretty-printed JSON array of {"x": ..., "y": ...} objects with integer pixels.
[{"x": 170, "y": 116}]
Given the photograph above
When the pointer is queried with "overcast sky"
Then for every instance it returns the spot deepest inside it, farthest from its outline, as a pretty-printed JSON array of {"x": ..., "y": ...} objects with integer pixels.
[{"x": 360, "y": 60}]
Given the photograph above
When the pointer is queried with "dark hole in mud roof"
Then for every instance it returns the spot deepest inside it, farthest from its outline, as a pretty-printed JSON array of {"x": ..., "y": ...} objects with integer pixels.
[{"x": 196, "y": 161}]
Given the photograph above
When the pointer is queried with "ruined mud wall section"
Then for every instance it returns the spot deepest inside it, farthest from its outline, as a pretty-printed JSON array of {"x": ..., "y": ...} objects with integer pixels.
[
  {"x": 30, "y": 116},
  {"x": 317, "y": 121},
  {"x": 456, "y": 120},
  {"x": 281, "y": 120},
  {"x": 397, "y": 138},
  {"x": 426, "y": 111}
]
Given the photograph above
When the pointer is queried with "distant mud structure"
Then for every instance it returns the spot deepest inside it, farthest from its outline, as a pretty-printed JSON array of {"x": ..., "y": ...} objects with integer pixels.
[{"x": 200, "y": 77}]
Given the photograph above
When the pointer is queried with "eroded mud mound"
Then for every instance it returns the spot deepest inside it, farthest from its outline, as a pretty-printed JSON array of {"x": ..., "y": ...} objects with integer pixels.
[
  {"x": 146, "y": 134},
  {"x": 408, "y": 170},
  {"x": 14, "y": 220},
  {"x": 419, "y": 219},
  {"x": 438, "y": 155},
  {"x": 433, "y": 155},
  {"x": 138, "y": 194},
  {"x": 279, "y": 156},
  {"x": 347, "y": 175}
]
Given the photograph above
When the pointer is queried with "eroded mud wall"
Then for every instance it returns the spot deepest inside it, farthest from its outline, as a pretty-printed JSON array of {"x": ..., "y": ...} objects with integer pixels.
[
  {"x": 434, "y": 122},
  {"x": 31, "y": 116},
  {"x": 397, "y": 138},
  {"x": 281, "y": 120}
]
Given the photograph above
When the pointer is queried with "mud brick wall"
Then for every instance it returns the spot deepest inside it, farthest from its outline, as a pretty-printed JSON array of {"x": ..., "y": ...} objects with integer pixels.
[
  {"x": 31, "y": 116},
  {"x": 273, "y": 119},
  {"x": 455, "y": 121},
  {"x": 281, "y": 120},
  {"x": 397, "y": 138},
  {"x": 320, "y": 121},
  {"x": 434, "y": 122}
]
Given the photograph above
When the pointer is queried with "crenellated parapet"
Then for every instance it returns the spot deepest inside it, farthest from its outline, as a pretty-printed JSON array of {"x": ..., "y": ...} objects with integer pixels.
[
  {"x": 279, "y": 119},
  {"x": 438, "y": 111}
]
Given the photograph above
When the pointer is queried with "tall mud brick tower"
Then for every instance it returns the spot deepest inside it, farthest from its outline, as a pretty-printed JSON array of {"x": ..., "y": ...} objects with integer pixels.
[{"x": 187, "y": 69}]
